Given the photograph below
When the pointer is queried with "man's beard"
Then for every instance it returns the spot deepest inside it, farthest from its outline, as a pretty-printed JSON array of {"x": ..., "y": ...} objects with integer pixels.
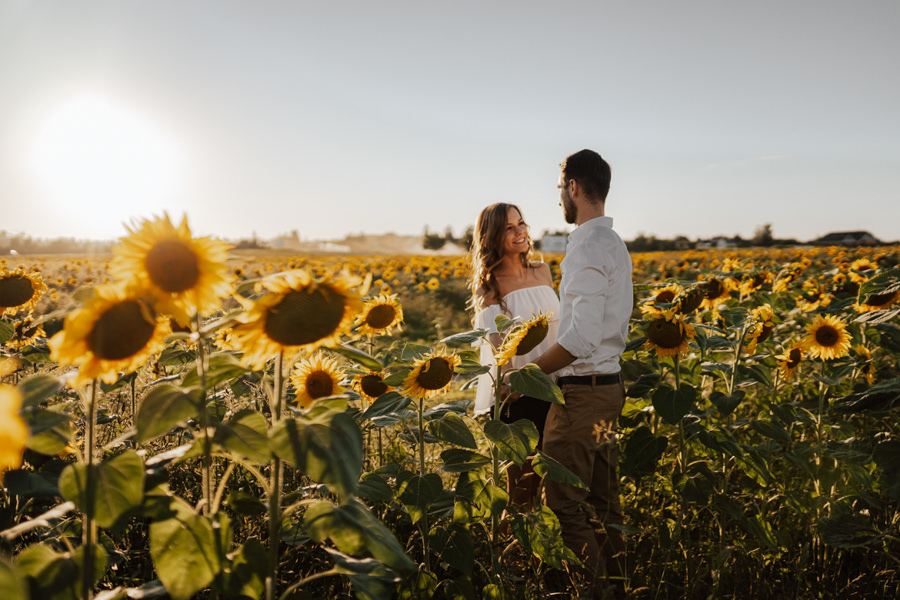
[{"x": 570, "y": 211}]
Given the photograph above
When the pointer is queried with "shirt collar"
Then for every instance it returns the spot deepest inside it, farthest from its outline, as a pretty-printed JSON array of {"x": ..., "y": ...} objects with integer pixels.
[{"x": 585, "y": 228}]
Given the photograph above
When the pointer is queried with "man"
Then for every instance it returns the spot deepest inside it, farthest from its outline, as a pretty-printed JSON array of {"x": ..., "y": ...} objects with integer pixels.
[{"x": 596, "y": 300}]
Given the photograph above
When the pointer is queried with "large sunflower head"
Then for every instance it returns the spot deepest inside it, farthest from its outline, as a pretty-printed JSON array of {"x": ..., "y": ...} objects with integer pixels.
[
  {"x": 669, "y": 334},
  {"x": 666, "y": 294},
  {"x": 20, "y": 290},
  {"x": 13, "y": 430},
  {"x": 315, "y": 377},
  {"x": 188, "y": 275},
  {"x": 380, "y": 315},
  {"x": 431, "y": 374},
  {"x": 116, "y": 330},
  {"x": 524, "y": 338},
  {"x": 789, "y": 362},
  {"x": 371, "y": 385},
  {"x": 827, "y": 338},
  {"x": 299, "y": 313},
  {"x": 690, "y": 300}
]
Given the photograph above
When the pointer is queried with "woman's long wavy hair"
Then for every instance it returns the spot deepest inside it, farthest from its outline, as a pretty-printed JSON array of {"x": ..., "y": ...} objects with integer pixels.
[{"x": 487, "y": 252}]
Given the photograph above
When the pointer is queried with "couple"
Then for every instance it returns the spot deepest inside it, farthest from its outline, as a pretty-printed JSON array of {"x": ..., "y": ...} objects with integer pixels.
[{"x": 582, "y": 349}]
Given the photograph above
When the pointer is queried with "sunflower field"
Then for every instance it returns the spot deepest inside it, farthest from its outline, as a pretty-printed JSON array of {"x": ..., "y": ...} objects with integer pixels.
[{"x": 181, "y": 420}]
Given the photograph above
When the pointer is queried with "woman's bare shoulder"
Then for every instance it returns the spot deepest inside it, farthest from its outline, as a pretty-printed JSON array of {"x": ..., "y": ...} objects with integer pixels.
[
  {"x": 543, "y": 271},
  {"x": 485, "y": 297}
]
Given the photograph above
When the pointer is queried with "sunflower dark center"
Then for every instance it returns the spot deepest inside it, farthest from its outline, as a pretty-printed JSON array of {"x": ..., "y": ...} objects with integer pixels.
[
  {"x": 172, "y": 266},
  {"x": 664, "y": 297},
  {"x": 15, "y": 290},
  {"x": 880, "y": 299},
  {"x": 121, "y": 331},
  {"x": 764, "y": 334},
  {"x": 793, "y": 358},
  {"x": 319, "y": 384},
  {"x": 714, "y": 289},
  {"x": 665, "y": 334},
  {"x": 380, "y": 316},
  {"x": 691, "y": 301},
  {"x": 435, "y": 374},
  {"x": 373, "y": 386},
  {"x": 304, "y": 317},
  {"x": 536, "y": 334},
  {"x": 827, "y": 336}
]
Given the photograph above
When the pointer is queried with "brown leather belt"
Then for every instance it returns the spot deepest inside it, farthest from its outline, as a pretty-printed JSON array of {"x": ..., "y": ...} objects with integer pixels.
[{"x": 589, "y": 379}]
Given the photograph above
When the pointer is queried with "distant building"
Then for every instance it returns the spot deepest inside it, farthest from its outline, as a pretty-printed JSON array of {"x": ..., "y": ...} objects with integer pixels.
[
  {"x": 717, "y": 242},
  {"x": 847, "y": 238},
  {"x": 554, "y": 243}
]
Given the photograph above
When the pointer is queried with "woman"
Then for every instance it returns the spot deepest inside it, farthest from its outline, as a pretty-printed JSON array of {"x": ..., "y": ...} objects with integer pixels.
[{"x": 506, "y": 281}]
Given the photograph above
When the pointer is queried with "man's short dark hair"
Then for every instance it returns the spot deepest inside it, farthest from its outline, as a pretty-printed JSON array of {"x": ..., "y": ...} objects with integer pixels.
[{"x": 591, "y": 172}]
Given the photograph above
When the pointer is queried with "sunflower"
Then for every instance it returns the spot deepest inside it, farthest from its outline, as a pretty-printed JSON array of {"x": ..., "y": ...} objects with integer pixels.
[
  {"x": 827, "y": 338},
  {"x": 667, "y": 294},
  {"x": 26, "y": 333},
  {"x": 877, "y": 302},
  {"x": 862, "y": 269},
  {"x": 689, "y": 300},
  {"x": 754, "y": 281},
  {"x": 716, "y": 290},
  {"x": 523, "y": 338},
  {"x": 13, "y": 430},
  {"x": 433, "y": 283},
  {"x": 760, "y": 328},
  {"x": 371, "y": 385},
  {"x": 669, "y": 334},
  {"x": 116, "y": 330},
  {"x": 789, "y": 362},
  {"x": 20, "y": 290},
  {"x": 188, "y": 275},
  {"x": 431, "y": 374},
  {"x": 300, "y": 313},
  {"x": 866, "y": 364},
  {"x": 380, "y": 315},
  {"x": 812, "y": 297},
  {"x": 316, "y": 377}
]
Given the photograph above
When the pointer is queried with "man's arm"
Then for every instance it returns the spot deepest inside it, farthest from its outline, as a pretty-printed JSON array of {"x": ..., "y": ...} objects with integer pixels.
[{"x": 555, "y": 358}]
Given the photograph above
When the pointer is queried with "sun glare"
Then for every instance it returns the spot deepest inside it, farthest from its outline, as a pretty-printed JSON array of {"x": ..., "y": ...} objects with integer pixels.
[{"x": 102, "y": 161}]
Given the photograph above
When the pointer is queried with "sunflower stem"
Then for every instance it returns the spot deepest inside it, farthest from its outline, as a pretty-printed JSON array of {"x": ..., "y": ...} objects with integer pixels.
[
  {"x": 423, "y": 522},
  {"x": 88, "y": 525},
  {"x": 206, "y": 460},
  {"x": 275, "y": 484}
]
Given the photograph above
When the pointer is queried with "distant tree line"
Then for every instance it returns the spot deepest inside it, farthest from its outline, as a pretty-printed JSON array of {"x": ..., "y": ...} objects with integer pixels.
[{"x": 23, "y": 244}]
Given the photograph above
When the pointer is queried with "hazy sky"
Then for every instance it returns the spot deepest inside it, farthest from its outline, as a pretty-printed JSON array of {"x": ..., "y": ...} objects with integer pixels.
[{"x": 372, "y": 116}]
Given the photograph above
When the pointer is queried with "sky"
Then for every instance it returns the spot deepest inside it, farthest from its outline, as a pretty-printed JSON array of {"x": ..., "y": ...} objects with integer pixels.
[{"x": 336, "y": 118}]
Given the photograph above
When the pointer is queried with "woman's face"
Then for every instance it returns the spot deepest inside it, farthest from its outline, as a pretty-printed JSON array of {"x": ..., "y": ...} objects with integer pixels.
[{"x": 515, "y": 238}]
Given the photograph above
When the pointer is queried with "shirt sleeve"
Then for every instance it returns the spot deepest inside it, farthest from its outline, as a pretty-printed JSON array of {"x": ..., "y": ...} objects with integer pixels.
[{"x": 587, "y": 281}]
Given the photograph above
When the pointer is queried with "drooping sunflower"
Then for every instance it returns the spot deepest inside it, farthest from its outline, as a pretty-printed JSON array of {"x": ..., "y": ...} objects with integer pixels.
[
  {"x": 300, "y": 313},
  {"x": 13, "y": 430},
  {"x": 789, "y": 362},
  {"x": 188, "y": 275},
  {"x": 523, "y": 338},
  {"x": 866, "y": 364},
  {"x": 689, "y": 300},
  {"x": 877, "y": 302},
  {"x": 315, "y": 377},
  {"x": 827, "y": 338},
  {"x": 753, "y": 281},
  {"x": 380, "y": 315},
  {"x": 20, "y": 290},
  {"x": 666, "y": 294},
  {"x": 371, "y": 385},
  {"x": 669, "y": 334},
  {"x": 760, "y": 328},
  {"x": 431, "y": 374},
  {"x": 116, "y": 330}
]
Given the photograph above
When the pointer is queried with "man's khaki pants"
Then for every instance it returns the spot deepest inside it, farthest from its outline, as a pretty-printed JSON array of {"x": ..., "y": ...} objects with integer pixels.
[{"x": 581, "y": 435}]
